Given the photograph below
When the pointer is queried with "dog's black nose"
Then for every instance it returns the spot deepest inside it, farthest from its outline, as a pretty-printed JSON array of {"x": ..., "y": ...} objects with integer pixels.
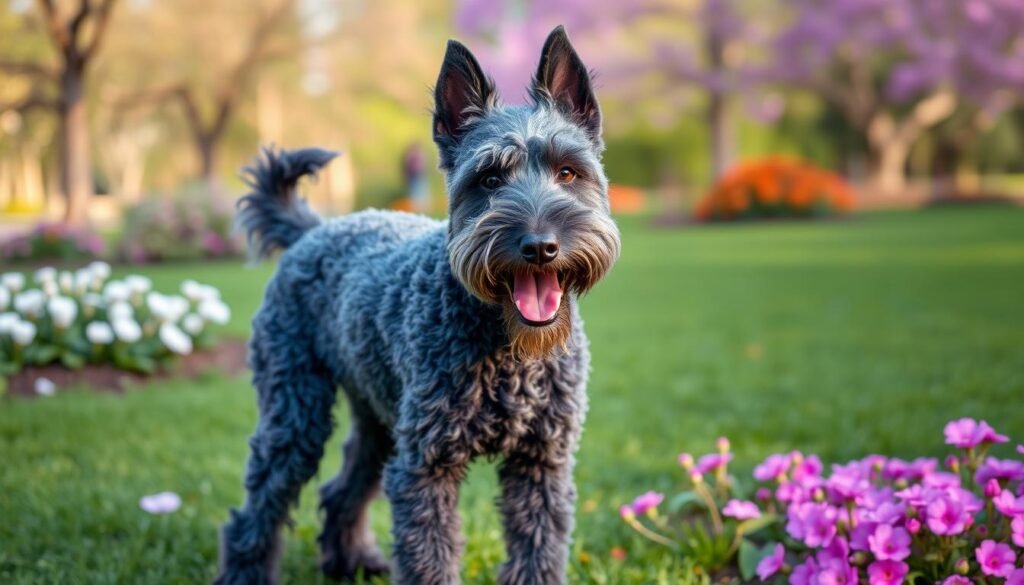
[{"x": 539, "y": 248}]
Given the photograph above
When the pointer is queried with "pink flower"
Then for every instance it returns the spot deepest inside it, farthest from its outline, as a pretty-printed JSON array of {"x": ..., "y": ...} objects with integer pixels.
[
  {"x": 162, "y": 503},
  {"x": 914, "y": 470},
  {"x": 814, "y": 524},
  {"x": 626, "y": 512},
  {"x": 804, "y": 573},
  {"x": 996, "y": 559},
  {"x": 1004, "y": 470},
  {"x": 1017, "y": 528},
  {"x": 773, "y": 467},
  {"x": 947, "y": 516},
  {"x": 1020, "y": 449},
  {"x": 741, "y": 510},
  {"x": 956, "y": 580},
  {"x": 1009, "y": 505},
  {"x": 686, "y": 460},
  {"x": 836, "y": 572},
  {"x": 647, "y": 502},
  {"x": 890, "y": 544},
  {"x": 805, "y": 468},
  {"x": 992, "y": 488},
  {"x": 772, "y": 563},
  {"x": 887, "y": 572},
  {"x": 968, "y": 433},
  {"x": 1016, "y": 577},
  {"x": 709, "y": 463},
  {"x": 913, "y": 526}
]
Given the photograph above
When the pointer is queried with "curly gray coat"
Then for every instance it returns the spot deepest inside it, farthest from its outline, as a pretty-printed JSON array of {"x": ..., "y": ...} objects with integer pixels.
[{"x": 414, "y": 320}]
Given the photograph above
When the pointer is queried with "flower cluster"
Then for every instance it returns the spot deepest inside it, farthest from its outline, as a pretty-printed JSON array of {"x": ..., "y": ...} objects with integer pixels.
[
  {"x": 54, "y": 241},
  {"x": 188, "y": 226},
  {"x": 882, "y": 520},
  {"x": 775, "y": 187},
  {"x": 84, "y": 316}
]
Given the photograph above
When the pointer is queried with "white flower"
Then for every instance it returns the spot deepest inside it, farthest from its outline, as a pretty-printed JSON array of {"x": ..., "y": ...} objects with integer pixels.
[
  {"x": 83, "y": 280},
  {"x": 162, "y": 503},
  {"x": 23, "y": 332},
  {"x": 99, "y": 332},
  {"x": 45, "y": 274},
  {"x": 66, "y": 280},
  {"x": 157, "y": 305},
  {"x": 192, "y": 290},
  {"x": 7, "y": 322},
  {"x": 30, "y": 302},
  {"x": 215, "y": 310},
  {"x": 99, "y": 269},
  {"x": 176, "y": 307},
  {"x": 127, "y": 330},
  {"x": 192, "y": 324},
  {"x": 120, "y": 310},
  {"x": 92, "y": 300},
  {"x": 175, "y": 339},
  {"x": 50, "y": 288},
  {"x": 138, "y": 284},
  {"x": 117, "y": 290},
  {"x": 5, "y": 298},
  {"x": 15, "y": 281},
  {"x": 63, "y": 311},
  {"x": 45, "y": 387}
]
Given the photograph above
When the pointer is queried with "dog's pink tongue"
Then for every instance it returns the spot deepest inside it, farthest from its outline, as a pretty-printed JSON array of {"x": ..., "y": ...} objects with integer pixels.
[{"x": 537, "y": 296}]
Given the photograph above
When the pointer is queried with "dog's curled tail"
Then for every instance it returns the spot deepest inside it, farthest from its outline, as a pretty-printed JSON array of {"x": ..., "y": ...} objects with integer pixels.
[{"x": 273, "y": 215}]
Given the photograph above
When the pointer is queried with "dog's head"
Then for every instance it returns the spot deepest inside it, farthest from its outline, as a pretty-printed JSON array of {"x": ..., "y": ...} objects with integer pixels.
[{"x": 529, "y": 221}]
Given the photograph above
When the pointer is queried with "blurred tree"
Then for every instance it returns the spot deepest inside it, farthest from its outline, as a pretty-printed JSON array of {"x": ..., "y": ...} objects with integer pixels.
[
  {"x": 896, "y": 68},
  {"x": 684, "y": 44},
  {"x": 61, "y": 87},
  {"x": 212, "y": 83}
]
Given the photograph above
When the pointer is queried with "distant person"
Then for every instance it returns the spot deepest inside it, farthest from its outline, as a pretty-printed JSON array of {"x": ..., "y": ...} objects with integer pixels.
[{"x": 414, "y": 171}]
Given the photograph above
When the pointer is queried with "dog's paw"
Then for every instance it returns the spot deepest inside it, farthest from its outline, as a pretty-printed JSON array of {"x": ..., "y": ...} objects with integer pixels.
[{"x": 343, "y": 566}]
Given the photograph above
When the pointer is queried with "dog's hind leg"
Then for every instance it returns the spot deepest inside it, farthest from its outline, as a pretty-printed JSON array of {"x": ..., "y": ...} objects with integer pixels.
[
  {"x": 295, "y": 400},
  {"x": 347, "y": 543}
]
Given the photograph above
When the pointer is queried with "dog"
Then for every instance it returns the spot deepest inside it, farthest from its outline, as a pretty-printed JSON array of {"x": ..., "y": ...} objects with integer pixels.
[{"x": 451, "y": 340}]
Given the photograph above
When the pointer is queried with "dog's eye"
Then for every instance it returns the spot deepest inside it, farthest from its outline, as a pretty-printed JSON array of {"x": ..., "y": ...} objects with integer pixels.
[
  {"x": 566, "y": 175},
  {"x": 490, "y": 181}
]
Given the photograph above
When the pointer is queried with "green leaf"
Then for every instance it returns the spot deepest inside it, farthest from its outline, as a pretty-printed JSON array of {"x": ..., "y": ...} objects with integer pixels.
[
  {"x": 72, "y": 360},
  {"x": 683, "y": 500},
  {"x": 754, "y": 524},
  {"x": 751, "y": 555},
  {"x": 42, "y": 354}
]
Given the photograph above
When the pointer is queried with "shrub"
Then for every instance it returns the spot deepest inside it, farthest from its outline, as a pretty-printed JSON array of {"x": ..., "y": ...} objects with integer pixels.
[
  {"x": 187, "y": 227},
  {"x": 877, "y": 520},
  {"x": 775, "y": 187},
  {"x": 80, "y": 317},
  {"x": 54, "y": 241}
]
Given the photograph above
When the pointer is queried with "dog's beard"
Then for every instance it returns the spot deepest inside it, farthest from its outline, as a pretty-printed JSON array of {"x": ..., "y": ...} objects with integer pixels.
[{"x": 529, "y": 341}]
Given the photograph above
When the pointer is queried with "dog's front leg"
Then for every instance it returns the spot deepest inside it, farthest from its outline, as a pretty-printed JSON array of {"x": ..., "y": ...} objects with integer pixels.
[
  {"x": 537, "y": 502},
  {"x": 426, "y": 527}
]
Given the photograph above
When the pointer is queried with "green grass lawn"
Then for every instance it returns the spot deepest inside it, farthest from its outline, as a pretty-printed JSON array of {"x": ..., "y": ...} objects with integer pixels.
[{"x": 841, "y": 338}]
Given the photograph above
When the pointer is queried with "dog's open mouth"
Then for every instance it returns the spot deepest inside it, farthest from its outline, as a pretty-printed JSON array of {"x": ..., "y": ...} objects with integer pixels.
[{"x": 537, "y": 296}]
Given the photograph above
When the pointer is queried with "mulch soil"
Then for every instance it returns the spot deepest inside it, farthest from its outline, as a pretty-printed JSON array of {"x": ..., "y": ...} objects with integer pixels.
[{"x": 228, "y": 358}]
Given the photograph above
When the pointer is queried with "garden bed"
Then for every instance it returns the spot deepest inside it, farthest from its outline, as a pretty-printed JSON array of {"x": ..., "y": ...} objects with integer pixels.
[{"x": 227, "y": 357}]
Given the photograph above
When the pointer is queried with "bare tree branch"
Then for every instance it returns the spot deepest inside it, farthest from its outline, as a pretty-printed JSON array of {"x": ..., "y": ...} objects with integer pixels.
[
  {"x": 34, "y": 100},
  {"x": 75, "y": 26},
  {"x": 27, "y": 68},
  {"x": 58, "y": 33},
  {"x": 102, "y": 19}
]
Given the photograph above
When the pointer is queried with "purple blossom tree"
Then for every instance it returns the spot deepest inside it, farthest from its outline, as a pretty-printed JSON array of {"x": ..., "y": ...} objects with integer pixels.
[
  {"x": 712, "y": 60},
  {"x": 895, "y": 68}
]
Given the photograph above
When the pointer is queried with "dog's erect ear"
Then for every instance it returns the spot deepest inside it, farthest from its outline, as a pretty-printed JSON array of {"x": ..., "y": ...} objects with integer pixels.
[
  {"x": 563, "y": 78},
  {"x": 462, "y": 93}
]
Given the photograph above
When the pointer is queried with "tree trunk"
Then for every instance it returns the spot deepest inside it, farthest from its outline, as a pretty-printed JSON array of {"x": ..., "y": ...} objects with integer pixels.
[
  {"x": 720, "y": 128},
  {"x": 75, "y": 166},
  {"x": 888, "y": 166},
  {"x": 207, "y": 146},
  {"x": 719, "y": 123}
]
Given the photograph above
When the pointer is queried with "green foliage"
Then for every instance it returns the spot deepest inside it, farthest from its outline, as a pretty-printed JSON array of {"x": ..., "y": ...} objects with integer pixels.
[{"x": 916, "y": 316}]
